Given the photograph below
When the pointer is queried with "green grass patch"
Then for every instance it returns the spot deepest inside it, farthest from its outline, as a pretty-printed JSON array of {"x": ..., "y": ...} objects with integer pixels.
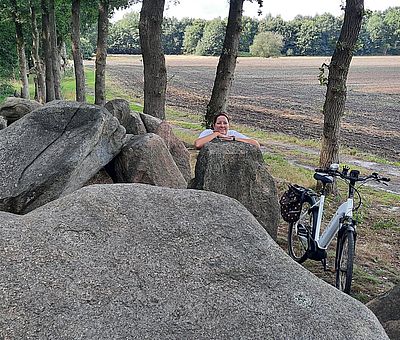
[
  {"x": 136, "y": 107},
  {"x": 68, "y": 88},
  {"x": 187, "y": 137},
  {"x": 183, "y": 116},
  {"x": 386, "y": 224},
  {"x": 284, "y": 170},
  {"x": 187, "y": 125}
]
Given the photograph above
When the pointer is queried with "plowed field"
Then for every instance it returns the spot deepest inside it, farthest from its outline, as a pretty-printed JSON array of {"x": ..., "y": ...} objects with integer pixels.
[{"x": 284, "y": 95}]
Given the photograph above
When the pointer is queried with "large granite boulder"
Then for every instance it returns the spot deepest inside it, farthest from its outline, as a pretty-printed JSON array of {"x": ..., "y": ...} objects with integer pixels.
[
  {"x": 175, "y": 146},
  {"x": 238, "y": 170},
  {"x": 14, "y": 108},
  {"x": 130, "y": 120},
  {"x": 53, "y": 151},
  {"x": 146, "y": 159},
  {"x": 3, "y": 123},
  {"x": 387, "y": 310},
  {"x": 132, "y": 261}
]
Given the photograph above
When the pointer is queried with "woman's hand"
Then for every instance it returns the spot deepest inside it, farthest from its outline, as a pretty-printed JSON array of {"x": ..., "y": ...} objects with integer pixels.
[{"x": 199, "y": 142}]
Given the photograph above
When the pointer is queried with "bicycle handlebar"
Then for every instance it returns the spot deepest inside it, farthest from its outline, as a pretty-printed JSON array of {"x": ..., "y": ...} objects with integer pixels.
[{"x": 353, "y": 176}]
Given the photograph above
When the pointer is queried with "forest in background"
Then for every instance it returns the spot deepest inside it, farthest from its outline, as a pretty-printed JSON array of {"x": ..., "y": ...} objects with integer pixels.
[{"x": 302, "y": 36}]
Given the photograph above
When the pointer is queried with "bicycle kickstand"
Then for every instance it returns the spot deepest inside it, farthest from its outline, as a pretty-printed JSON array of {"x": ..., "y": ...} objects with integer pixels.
[{"x": 324, "y": 264}]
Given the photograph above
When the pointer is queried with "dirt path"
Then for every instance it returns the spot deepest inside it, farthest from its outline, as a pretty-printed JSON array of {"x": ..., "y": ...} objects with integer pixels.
[{"x": 385, "y": 170}]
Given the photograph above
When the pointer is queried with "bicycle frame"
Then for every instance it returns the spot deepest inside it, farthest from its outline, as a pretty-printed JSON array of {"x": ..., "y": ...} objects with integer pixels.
[
  {"x": 345, "y": 210},
  {"x": 305, "y": 239}
]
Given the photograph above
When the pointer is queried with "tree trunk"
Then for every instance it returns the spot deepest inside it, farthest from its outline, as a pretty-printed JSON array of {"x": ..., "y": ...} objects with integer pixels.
[
  {"x": 40, "y": 79},
  {"x": 62, "y": 51},
  {"x": 76, "y": 52},
  {"x": 50, "y": 94},
  {"x": 23, "y": 71},
  {"x": 155, "y": 72},
  {"x": 101, "y": 54},
  {"x": 227, "y": 62},
  {"x": 336, "y": 90},
  {"x": 55, "y": 56}
]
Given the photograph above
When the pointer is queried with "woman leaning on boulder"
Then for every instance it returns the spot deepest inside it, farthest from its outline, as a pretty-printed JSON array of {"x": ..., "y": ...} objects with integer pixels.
[{"x": 220, "y": 129}]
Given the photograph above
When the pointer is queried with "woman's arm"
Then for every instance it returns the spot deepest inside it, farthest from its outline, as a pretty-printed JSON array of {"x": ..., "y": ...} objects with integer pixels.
[
  {"x": 199, "y": 142},
  {"x": 248, "y": 141}
]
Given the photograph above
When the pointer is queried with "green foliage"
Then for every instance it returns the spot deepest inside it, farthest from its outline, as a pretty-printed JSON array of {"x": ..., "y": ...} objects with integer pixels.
[
  {"x": 267, "y": 44},
  {"x": 213, "y": 38},
  {"x": 249, "y": 30},
  {"x": 6, "y": 90},
  {"x": 123, "y": 37},
  {"x": 173, "y": 35},
  {"x": 304, "y": 35},
  {"x": 322, "y": 76},
  {"x": 192, "y": 36},
  {"x": 87, "y": 48},
  {"x": 8, "y": 49}
]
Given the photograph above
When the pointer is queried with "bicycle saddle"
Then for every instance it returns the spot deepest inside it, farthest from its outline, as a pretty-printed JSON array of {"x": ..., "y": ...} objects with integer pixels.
[{"x": 324, "y": 178}]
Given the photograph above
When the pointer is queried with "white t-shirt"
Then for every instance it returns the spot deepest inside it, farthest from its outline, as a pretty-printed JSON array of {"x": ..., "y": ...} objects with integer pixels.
[{"x": 230, "y": 133}]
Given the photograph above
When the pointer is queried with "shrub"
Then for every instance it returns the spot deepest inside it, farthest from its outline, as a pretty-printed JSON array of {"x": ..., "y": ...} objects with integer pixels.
[{"x": 267, "y": 44}]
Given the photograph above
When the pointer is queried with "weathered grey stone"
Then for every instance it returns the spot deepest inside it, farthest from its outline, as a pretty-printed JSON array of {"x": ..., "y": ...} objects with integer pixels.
[
  {"x": 132, "y": 261},
  {"x": 177, "y": 149},
  {"x": 53, "y": 151},
  {"x": 3, "y": 123},
  {"x": 130, "y": 120},
  {"x": 151, "y": 123},
  {"x": 146, "y": 159},
  {"x": 175, "y": 145},
  {"x": 14, "y": 108},
  {"x": 387, "y": 310},
  {"x": 101, "y": 177},
  {"x": 237, "y": 170}
]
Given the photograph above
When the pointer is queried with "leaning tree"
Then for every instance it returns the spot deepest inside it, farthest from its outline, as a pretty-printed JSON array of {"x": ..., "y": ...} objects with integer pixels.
[
  {"x": 336, "y": 87},
  {"x": 227, "y": 61}
]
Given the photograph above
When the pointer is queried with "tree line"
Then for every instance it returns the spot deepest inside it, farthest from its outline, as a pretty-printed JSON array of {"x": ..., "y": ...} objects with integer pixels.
[{"x": 302, "y": 36}]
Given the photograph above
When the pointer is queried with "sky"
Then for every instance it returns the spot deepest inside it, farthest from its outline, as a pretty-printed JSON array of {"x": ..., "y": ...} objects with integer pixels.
[{"x": 287, "y": 9}]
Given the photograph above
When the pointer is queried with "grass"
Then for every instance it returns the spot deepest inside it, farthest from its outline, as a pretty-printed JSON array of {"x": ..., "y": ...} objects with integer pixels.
[{"x": 386, "y": 223}]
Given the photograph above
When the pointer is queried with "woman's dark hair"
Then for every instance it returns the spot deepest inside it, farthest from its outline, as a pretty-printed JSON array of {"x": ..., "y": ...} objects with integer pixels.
[{"x": 219, "y": 114}]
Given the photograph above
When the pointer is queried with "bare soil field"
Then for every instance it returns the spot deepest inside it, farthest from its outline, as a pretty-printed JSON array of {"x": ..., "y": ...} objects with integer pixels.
[{"x": 283, "y": 95}]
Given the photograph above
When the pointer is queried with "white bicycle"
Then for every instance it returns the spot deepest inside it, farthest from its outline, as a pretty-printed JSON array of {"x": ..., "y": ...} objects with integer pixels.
[{"x": 304, "y": 238}]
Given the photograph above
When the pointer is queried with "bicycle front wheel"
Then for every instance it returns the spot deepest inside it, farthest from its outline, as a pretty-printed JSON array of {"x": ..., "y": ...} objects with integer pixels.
[
  {"x": 299, "y": 232},
  {"x": 344, "y": 261}
]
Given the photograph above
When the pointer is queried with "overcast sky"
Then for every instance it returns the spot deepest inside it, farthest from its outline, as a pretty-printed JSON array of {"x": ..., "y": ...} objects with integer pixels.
[{"x": 288, "y": 9}]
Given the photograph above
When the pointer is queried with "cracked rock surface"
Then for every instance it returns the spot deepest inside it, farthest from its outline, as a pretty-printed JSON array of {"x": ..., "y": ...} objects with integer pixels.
[{"x": 53, "y": 151}]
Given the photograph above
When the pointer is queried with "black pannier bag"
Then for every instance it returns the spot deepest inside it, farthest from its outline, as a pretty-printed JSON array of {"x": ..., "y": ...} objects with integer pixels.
[{"x": 291, "y": 203}]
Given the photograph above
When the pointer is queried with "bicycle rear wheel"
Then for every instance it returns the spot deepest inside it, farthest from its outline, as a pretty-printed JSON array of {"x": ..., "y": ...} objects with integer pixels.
[
  {"x": 299, "y": 232},
  {"x": 344, "y": 261}
]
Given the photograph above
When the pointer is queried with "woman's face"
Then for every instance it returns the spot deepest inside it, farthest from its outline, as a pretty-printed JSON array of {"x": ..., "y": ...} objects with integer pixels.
[{"x": 221, "y": 125}]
